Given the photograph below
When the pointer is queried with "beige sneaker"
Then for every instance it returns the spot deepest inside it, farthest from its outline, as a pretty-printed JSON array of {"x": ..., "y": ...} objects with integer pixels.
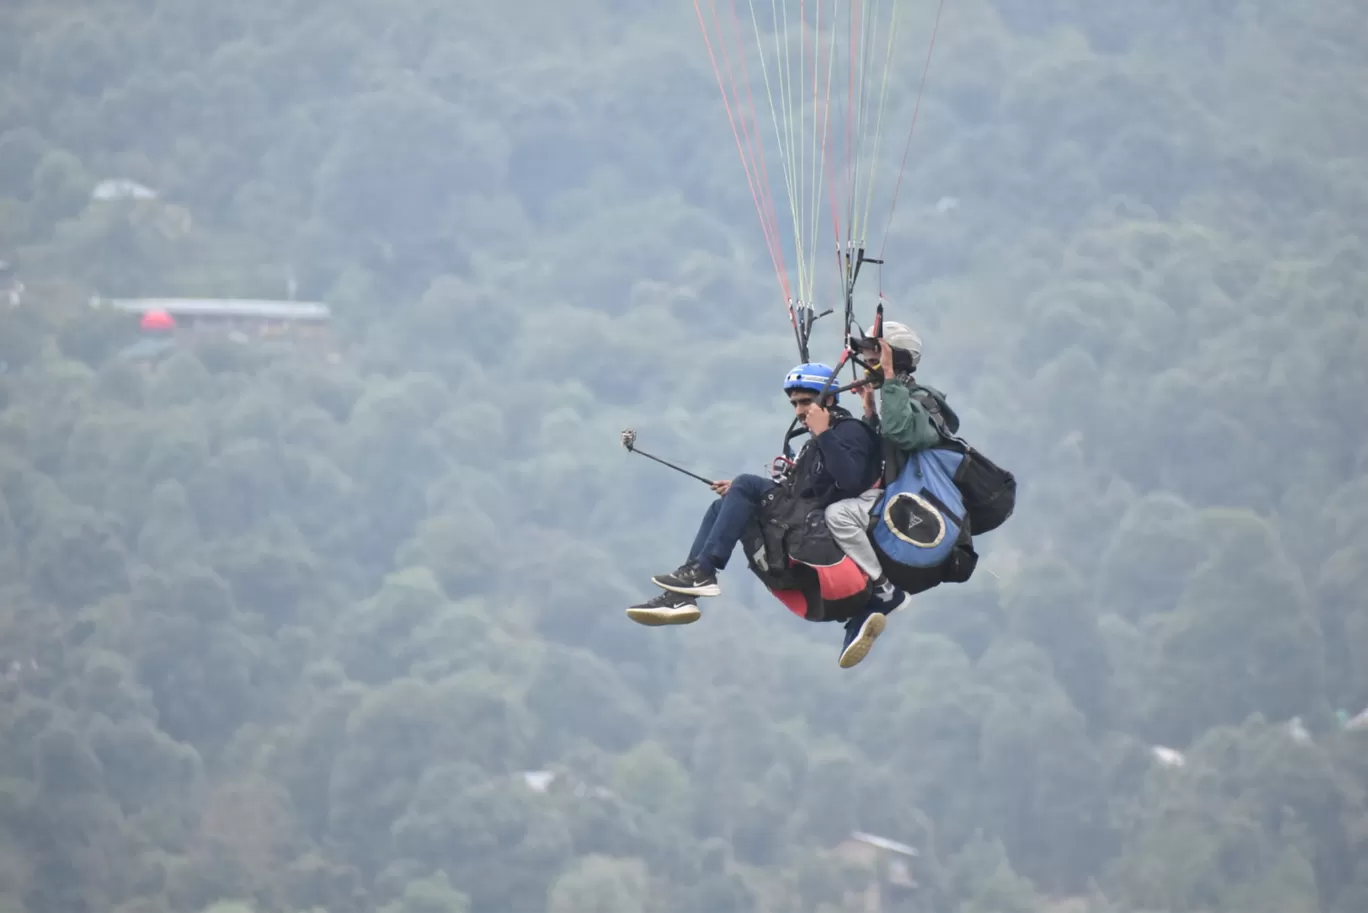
[{"x": 859, "y": 646}]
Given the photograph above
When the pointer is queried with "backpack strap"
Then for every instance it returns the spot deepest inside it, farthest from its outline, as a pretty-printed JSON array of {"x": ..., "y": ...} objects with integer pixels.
[{"x": 932, "y": 405}]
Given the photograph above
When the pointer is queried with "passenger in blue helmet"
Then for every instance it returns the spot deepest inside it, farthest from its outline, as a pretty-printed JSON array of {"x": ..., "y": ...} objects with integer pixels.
[{"x": 848, "y": 463}]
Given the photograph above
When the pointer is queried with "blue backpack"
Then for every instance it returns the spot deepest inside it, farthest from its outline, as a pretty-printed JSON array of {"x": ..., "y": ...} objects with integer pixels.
[{"x": 919, "y": 526}]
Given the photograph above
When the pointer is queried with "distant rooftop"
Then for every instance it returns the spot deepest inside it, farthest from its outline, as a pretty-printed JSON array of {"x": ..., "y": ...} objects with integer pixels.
[
  {"x": 539, "y": 780},
  {"x": 122, "y": 189},
  {"x": 884, "y": 843},
  {"x": 224, "y": 307}
]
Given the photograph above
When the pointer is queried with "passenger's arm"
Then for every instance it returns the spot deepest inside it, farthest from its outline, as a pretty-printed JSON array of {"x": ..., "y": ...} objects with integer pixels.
[
  {"x": 905, "y": 421},
  {"x": 871, "y": 411},
  {"x": 847, "y": 449}
]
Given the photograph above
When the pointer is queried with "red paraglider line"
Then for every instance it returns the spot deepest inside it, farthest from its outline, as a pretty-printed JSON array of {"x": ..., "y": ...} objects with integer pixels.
[
  {"x": 771, "y": 212},
  {"x": 734, "y": 114}
]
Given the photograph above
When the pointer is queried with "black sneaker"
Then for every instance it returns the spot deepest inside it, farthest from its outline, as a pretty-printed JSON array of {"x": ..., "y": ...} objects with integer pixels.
[
  {"x": 887, "y": 605},
  {"x": 861, "y": 632},
  {"x": 689, "y": 580},
  {"x": 665, "y": 609}
]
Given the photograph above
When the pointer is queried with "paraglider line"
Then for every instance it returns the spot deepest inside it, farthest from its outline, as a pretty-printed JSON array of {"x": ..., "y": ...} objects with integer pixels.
[
  {"x": 916, "y": 109},
  {"x": 770, "y": 212},
  {"x": 758, "y": 190}
]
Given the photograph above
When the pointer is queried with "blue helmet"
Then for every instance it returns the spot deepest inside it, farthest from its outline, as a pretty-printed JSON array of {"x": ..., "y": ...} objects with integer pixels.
[{"x": 812, "y": 376}]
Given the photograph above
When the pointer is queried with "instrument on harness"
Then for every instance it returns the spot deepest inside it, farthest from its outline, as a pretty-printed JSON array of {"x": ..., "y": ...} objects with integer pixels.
[{"x": 780, "y": 468}]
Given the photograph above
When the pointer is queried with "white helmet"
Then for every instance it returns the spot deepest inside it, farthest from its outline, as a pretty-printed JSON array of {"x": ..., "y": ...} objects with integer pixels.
[{"x": 899, "y": 336}]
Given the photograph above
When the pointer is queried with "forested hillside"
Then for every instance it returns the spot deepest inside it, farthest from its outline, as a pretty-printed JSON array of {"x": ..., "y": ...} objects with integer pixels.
[{"x": 289, "y": 634}]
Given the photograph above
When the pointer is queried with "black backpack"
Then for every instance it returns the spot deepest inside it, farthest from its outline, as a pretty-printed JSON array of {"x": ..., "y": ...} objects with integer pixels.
[{"x": 989, "y": 490}]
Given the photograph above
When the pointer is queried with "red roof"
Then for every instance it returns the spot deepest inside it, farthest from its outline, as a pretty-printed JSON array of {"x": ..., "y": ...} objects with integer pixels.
[{"x": 158, "y": 320}]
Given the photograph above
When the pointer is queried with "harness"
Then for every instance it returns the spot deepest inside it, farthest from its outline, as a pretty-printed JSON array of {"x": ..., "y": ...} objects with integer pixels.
[{"x": 791, "y": 518}]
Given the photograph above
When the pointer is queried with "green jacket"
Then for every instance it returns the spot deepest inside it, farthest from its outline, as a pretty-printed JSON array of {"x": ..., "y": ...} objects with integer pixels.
[{"x": 906, "y": 422}]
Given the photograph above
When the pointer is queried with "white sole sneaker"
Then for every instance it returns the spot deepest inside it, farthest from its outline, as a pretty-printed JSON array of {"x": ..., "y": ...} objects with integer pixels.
[
  {"x": 682, "y": 615},
  {"x": 711, "y": 589},
  {"x": 859, "y": 648}
]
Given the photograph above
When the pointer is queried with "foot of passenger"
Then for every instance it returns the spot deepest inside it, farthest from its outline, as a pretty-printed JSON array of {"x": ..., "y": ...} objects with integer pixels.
[
  {"x": 665, "y": 609},
  {"x": 690, "y": 580},
  {"x": 861, "y": 632},
  {"x": 889, "y": 600}
]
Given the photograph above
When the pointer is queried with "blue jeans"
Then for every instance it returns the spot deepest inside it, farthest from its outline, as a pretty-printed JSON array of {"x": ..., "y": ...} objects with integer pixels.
[{"x": 726, "y": 519}]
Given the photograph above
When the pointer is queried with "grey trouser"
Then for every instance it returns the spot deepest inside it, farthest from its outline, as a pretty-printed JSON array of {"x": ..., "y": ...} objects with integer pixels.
[{"x": 848, "y": 521}]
